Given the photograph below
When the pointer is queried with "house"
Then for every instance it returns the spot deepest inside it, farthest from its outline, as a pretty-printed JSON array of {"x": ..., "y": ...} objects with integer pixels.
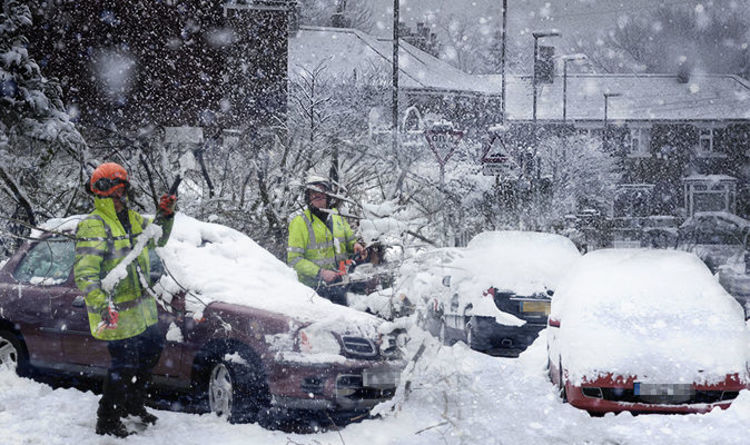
[
  {"x": 427, "y": 85},
  {"x": 684, "y": 142}
]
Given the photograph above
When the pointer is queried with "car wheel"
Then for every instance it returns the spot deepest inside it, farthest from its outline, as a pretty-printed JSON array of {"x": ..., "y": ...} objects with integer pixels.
[
  {"x": 220, "y": 391},
  {"x": 12, "y": 353},
  {"x": 237, "y": 389}
]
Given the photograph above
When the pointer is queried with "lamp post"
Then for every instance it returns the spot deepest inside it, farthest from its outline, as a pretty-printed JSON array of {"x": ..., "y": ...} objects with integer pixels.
[
  {"x": 566, "y": 59},
  {"x": 606, "y": 102},
  {"x": 538, "y": 35}
]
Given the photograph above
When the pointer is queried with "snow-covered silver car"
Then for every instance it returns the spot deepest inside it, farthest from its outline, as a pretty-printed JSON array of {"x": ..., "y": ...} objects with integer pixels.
[{"x": 497, "y": 291}]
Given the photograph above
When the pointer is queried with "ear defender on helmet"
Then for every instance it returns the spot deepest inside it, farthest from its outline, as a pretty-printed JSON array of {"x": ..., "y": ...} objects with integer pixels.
[{"x": 108, "y": 178}]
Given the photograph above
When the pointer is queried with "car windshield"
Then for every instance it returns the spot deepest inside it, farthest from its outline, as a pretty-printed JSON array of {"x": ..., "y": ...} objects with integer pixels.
[{"x": 48, "y": 262}]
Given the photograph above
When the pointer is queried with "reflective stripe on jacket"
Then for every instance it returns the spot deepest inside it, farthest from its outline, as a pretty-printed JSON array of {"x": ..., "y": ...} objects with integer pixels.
[
  {"x": 312, "y": 246},
  {"x": 101, "y": 244}
]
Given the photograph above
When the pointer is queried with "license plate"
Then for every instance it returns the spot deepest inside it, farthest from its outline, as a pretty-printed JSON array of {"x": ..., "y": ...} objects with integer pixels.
[
  {"x": 380, "y": 378},
  {"x": 663, "y": 389},
  {"x": 539, "y": 307}
]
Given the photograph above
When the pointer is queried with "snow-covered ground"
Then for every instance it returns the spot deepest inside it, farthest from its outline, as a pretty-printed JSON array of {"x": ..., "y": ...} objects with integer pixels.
[{"x": 456, "y": 396}]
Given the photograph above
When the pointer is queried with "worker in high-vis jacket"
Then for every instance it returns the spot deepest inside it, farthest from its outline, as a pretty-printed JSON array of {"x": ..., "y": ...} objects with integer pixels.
[
  {"x": 319, "y": 239},
  {"x": 122, "y": 314}
]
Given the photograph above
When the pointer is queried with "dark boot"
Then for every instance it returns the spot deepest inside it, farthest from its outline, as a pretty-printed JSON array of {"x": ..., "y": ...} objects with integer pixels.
[
  {"x": 111, "y": 426},
  {"x": 111, "y": 407},
  {"x": 146, "y": 417},
  {"x": 135, "y": 400}
]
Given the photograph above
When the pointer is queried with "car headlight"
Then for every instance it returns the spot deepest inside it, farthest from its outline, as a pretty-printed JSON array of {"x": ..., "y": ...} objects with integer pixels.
[{"x": 317, "y": 342}]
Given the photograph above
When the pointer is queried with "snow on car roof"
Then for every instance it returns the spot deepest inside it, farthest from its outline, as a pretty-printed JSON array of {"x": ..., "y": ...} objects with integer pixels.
[
  {"x": 517, "y": 261},
  {"x": 656, "y": 314},
  {"x": 222, "y": 264}
]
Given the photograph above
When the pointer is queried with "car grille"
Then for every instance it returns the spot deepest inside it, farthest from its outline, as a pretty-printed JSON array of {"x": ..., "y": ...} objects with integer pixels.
[
  {"x": 628, "y": 396},
  {"x": 358, "y": 347}
]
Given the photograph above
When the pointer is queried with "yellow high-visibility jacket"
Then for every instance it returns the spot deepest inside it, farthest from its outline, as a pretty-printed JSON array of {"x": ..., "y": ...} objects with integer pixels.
[
  {"x": 101, "y": 244},
  {"x": 312, "y": 246}
]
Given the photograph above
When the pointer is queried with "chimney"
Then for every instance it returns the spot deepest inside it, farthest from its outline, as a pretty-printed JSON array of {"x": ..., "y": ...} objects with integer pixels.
[
  {"x": 684, "y": 69},
  {"x": 544, "y": 66},
  {"x": 683, "y": 74}
]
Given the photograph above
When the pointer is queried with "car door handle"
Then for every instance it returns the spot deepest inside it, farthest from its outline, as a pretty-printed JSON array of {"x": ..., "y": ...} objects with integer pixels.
[{"x": 79, "y": 301}]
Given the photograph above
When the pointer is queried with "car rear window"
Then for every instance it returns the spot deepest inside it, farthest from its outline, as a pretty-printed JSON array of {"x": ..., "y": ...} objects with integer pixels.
[{"x": 47, "y": 263}]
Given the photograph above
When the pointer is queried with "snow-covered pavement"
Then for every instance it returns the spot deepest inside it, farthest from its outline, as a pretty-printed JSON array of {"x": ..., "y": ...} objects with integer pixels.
[{"x": 455, "y": 396}]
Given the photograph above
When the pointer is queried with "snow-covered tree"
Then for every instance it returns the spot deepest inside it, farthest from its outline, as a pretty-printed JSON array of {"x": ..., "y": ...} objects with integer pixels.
[
  {"x": 41, "y": 152},
  {"x": 709, "y": 37},
  {"x": 582, "y": 174}
]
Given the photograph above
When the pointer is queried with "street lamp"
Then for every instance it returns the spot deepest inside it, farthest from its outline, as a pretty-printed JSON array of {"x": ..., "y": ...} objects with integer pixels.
[
  {"x": 606, "y": 101},
  {"x": 537, "y": 35},
  {"x": 566, "y": 59}
]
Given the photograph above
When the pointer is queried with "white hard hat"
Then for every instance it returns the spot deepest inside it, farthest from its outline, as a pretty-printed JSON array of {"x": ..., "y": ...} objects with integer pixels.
[{"x": 317, "y": 182}]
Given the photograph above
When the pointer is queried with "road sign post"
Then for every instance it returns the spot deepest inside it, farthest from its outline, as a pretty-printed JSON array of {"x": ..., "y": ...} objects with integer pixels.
[{"x": 443, "y": 140}]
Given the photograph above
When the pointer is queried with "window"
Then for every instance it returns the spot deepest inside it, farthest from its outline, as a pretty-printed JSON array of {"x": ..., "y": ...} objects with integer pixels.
[
  {"x": 48, "y": 263},
  {"x": 591, "y": 132},
  {"x": 706, "y": 141},
  {"x": 640, "y": 141}
]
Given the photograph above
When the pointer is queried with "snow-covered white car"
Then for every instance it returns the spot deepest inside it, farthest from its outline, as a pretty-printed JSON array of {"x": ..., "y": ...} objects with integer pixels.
[
  {"x": 646, "y": 330},
  {"x": 497, "y": 290},
  {"x": 243, "y": 334}
]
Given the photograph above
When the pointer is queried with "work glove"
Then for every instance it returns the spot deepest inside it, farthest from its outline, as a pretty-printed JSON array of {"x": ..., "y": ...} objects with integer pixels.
[
  {"x": 110, "y": 317},
  {"x": 167, "y": 205}
]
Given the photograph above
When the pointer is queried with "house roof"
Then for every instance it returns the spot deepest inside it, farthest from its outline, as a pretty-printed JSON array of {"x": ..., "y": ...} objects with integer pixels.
[
  {"x": 644, "y": 97},
  {"x": 345, "y": 51}
]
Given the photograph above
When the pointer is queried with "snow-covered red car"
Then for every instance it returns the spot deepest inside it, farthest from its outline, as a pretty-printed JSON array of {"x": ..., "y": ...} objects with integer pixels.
[
  {"x": 646, "y": 330},
  {"x": 243, "y": 335},
  {"x": 497, "y": 290}
]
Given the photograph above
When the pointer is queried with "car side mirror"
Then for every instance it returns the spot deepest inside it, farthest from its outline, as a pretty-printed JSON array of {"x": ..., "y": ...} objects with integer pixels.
[
  {"x": 447, "y": 281},
  {"x": 550, "y": 292}
]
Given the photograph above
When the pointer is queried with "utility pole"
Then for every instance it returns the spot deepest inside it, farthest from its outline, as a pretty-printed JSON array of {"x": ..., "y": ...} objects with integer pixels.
[
  {"x": 502, "y": 59},
  {"x": 394, "y": 111}
]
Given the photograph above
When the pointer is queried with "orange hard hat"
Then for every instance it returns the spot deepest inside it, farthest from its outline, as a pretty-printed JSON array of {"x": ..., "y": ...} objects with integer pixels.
[{"x": 107, "y": 178}]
